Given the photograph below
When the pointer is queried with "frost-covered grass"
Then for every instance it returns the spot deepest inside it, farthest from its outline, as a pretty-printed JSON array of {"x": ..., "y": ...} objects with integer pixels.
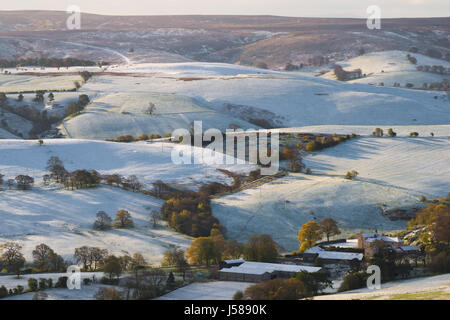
[
  {"x": 148, "y": 161},
  {"x": 392, "y": 66},
  {"x": 401, "y": 130},
  {"x": 63, "y": 220},
  {"x": 213, "y": 290},
  {"x": 86, "y": 293},
  {"x": 293, "y": 99},
  {"x": 11, "y": 281},
  {"x": 428, "y": 288},
  {"x": 25, "y": 83},
  {"x": 393, "y": 172}
]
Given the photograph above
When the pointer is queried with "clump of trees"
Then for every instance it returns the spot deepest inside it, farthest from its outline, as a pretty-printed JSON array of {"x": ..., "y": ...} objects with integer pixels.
[
  {"x": 90, "y": 257},
  {"x": 190, "y": 213},
  {"x": 294, "y": 158},
  {"x": 322, "y": 142},
  {"x": 213, "y": 249},
  {"x": 109, "y": 293},
  {"x": 47, "y": 62},
  {"x": 411, "y": 59},
  {"x": 143, "y": 137},
  {"x": 72, "y": 180},
  {"x": 176, "y": 258},
  {"x": 432, "y": 225},
  {"x": 78, "y": 106},
  {"x": 312, "y": 231},
  {"x": 24, "y": 182},
  {"x": 343, "y": 75}
]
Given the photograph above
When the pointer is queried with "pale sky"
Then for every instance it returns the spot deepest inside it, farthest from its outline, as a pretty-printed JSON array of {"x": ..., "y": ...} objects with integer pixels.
[{"x": 297, "y": 8}]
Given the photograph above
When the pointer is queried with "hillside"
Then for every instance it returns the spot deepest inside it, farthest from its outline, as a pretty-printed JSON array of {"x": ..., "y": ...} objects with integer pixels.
[
  {"x": 247, "y": 40},
  {"x": 63, "y": 220},
  {"x": 388, "y": 67},
  {"x": 393, "y": 173},
  {"x": 229, "y": 94},
  {"x": 148, "y": 161}
]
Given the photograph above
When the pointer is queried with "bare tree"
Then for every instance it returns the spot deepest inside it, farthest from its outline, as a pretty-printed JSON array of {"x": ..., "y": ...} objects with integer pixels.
[
  {"x": 12, "y": 257},
  {"x": 150, "y": 109},
  {"x": 155, "y": 217},
  {"x": 103, "y": 222}
]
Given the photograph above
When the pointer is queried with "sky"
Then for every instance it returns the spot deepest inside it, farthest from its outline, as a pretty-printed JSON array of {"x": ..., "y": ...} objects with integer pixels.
[{"x": 294, "y": 8}]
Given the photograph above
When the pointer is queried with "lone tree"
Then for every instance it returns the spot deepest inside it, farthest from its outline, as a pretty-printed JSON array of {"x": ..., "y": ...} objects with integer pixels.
[
  {"x": 350, "y": 175},
  {"x": 150, "y": 109},
  {"x": 123, "y": 219},
  {"x": 309, "y": 235},
  {"x": 112, "y": 267},
  {"x": 43, "y": 257},
  {"x": 155, "y": 217},
  {"x": 378, "y": 132},
  {"x": 329, "y": 227},
  {"x": 391, "y": 133},
  {"x": 12, "y": 257},
  {"x": 103, "y": 222}
]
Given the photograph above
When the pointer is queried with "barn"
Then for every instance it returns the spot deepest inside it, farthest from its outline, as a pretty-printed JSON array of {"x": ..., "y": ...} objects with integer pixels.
[{"x": 260, "y": 271}]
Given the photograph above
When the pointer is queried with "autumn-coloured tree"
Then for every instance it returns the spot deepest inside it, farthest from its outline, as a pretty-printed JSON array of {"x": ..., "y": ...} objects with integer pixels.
[
  {"x": 177, "y": 259},
  {"x": 123, "y": 219},
  {"x": 329, "y": 227},
  {"x": 202, "y": 251},
  {"x": 309, "y": 235},
  {"x": 277, "y": 289},
  {"x": 261, "y": 248},
  {"x": 441, "y": 228},
  {"x": 112, "y": 267}
]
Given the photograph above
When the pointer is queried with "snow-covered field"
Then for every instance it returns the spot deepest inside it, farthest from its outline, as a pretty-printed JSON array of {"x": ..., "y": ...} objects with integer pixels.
[
  {"x": 149, "y": 161},
  {"x": 86, "y": 293},
  {"x": 11, "y": 281},
  {"x": 184, "y": 92},
  {"x": 393, "y": 172},
  {"x": 436, "y": 287},
  {"x": 25, "y": 83},
  {"x": 63, "y": 220},
  {"x": 298, "y": 99},
  {"x": 392, "y": 66},
  {"x": 214, "y": 290},
  {"x": 401, "y": 130},
  {"x": 119, "y": 114}
]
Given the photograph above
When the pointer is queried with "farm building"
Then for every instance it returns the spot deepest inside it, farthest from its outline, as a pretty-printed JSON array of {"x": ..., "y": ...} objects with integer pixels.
[
  {"x": 331, "y": 256},
  {"x": 260, "y": 271}
]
